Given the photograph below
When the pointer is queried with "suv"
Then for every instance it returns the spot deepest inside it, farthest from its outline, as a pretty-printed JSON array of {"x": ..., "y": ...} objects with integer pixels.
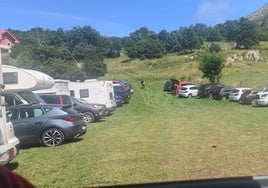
[
  {"x": 91, "y": 112},
  {"x": 120, "y": 90},
  {"x": 56, "y": 99},
  {"x": 206, "y": 90},
  {"x": 236, "y": 93},
  {"x": 221, "y": 92}
]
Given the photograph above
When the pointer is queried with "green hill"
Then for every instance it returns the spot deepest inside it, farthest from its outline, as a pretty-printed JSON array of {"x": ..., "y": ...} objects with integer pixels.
[{"x": 242, "y": 72}]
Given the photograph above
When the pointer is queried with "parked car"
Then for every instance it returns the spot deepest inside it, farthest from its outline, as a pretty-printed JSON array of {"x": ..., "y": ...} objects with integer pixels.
[
  {"x": 221, "y": 92},
  {"x": 120, "y": 90},
  {"x": 127, "y": 85},
  {"x": 171, "y": 85},
  {"x": 119, "y": 100},
  {"x": 236, "y": 93},
  {"x": 260, "y": 99},
  {"x": 188, "y": 91},
  {"x": 56, "y": 99},
  {"x": 92, "y": 112},
  {"x": 180, "y": 84},
  {"x": 50, "y": 125},
  {"x": 206, "y": 90},
  {"x": 247, "y": 96}
]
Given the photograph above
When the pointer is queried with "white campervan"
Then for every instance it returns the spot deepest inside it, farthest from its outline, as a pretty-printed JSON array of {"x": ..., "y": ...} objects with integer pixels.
[
  {"x": 94, "y": 91},
  {"x": 20, "y": 84}
]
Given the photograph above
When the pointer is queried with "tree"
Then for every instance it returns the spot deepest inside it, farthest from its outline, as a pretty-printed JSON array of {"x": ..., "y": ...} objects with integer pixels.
[
  {"x": 214, "y": 48},
  {"x": 213, "y": 34},
  {"x": 94, "y": 66},
  {"x": 231, "y": 30},
  {"x": 190, "y": 39},
  {"x": 56, "y": 62},
  {"x": 247, "y": 35},
  {"x": 146, "y": 49},
  {"x": 211, "y": 66},
  {"x": 143, "y": 33}
]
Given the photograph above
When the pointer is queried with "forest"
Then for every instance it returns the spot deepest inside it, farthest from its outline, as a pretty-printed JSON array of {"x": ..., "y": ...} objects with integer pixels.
[{"x": 79, "y": 53}]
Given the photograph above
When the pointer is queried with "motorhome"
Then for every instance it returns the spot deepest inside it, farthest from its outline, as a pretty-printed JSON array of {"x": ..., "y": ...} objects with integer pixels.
[
  {"x": 94, "y": 91},
  {"x": 59, "y": 88},
  {"x": 9, "y": 143},
  {"x": 20, "y": 84}
]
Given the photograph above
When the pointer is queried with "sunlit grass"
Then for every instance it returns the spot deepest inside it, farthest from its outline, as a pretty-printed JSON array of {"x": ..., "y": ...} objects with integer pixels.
[{"x": 159, "y": 137}]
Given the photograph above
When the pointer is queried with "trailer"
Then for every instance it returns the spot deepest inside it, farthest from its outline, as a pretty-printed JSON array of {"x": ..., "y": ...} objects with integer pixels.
[{"x": 94, "y": 91}]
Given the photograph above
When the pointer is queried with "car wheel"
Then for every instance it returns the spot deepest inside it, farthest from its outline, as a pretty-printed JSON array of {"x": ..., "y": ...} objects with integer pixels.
[
  {"x": 224, "y": 98},
  {"x": 52, "y": 137},
  {"x": 190, "y": 96},
  {"x": 89, "y": 117}
]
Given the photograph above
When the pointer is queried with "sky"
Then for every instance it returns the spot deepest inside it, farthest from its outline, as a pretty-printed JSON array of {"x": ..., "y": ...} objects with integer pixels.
[{"x": 119, "y": 18}]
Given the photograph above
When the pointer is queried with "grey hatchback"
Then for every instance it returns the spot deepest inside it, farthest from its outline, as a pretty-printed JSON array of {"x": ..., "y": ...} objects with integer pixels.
[{"x": 49, "y": 125}]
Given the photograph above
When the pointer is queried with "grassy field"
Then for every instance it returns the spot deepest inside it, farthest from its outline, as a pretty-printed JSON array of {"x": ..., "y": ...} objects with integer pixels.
[{"x": 159, "y": 137}]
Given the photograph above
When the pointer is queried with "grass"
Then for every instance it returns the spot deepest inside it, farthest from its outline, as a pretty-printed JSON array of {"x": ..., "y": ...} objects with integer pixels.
[{"x": 159, "y": 137}]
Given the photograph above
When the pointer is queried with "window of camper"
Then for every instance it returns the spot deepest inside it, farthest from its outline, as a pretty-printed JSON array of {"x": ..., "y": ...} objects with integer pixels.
[
  {"x": 84, "y": 93},
  {"x": 72, "y": 93},
  {"x": 10, "y": 77}
]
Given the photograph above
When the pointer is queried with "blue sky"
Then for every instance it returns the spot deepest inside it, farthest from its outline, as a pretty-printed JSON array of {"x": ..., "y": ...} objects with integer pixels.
[{"x": 121, "y": 17}]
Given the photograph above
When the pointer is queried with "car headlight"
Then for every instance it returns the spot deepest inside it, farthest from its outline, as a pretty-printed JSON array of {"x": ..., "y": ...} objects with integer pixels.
[{"x": 97, "y": 106}]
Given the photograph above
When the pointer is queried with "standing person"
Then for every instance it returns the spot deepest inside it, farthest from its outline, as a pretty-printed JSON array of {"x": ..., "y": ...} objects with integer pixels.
[{"x": 142, "y": 84}]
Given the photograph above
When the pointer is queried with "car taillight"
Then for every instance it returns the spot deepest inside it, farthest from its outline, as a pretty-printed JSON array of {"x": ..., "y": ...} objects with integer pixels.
[{"x": 70, "y": 118}]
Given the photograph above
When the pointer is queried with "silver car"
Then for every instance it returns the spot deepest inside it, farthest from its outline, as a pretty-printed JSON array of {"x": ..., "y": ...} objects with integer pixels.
[{"x": 188, "y": 91}]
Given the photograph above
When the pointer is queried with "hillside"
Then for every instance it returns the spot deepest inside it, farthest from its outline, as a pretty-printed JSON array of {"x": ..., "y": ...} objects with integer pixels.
[
  {"x": 260, "y": 16},
  {"x": 241, "y": 72}
]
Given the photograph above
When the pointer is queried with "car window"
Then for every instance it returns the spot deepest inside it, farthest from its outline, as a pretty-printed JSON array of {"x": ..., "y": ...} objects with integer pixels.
[
  {"x": 11, "y": 114},
  {"x": 193, "y": 88},
  {"x": 29, "y": 113},
  {"x": 235, "y": 91}
]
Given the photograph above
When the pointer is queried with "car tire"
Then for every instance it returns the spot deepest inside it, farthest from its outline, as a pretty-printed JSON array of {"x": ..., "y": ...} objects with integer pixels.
[
  {"x": 224, "y": 97},
  {"x": 190, "y": 96},
  {"x": 52, "y": 137},
  {"x": 89, "y": 117}
]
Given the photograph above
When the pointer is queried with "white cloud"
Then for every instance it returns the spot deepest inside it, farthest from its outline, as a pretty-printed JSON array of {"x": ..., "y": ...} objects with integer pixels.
[{"x": 212, "y": 12}]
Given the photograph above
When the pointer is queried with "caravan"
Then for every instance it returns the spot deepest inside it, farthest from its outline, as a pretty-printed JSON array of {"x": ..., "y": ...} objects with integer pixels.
[{"x": 94, "y": 91}]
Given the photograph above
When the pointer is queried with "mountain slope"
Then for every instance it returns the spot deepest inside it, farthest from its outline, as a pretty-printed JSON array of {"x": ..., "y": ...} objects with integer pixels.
[{"x": 260, "y": 16}]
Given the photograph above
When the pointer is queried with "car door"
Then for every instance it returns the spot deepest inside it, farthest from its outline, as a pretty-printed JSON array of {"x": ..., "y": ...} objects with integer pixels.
[
  {"x": 194, "y": 91},
  {"x": 28, "y": 124}
]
